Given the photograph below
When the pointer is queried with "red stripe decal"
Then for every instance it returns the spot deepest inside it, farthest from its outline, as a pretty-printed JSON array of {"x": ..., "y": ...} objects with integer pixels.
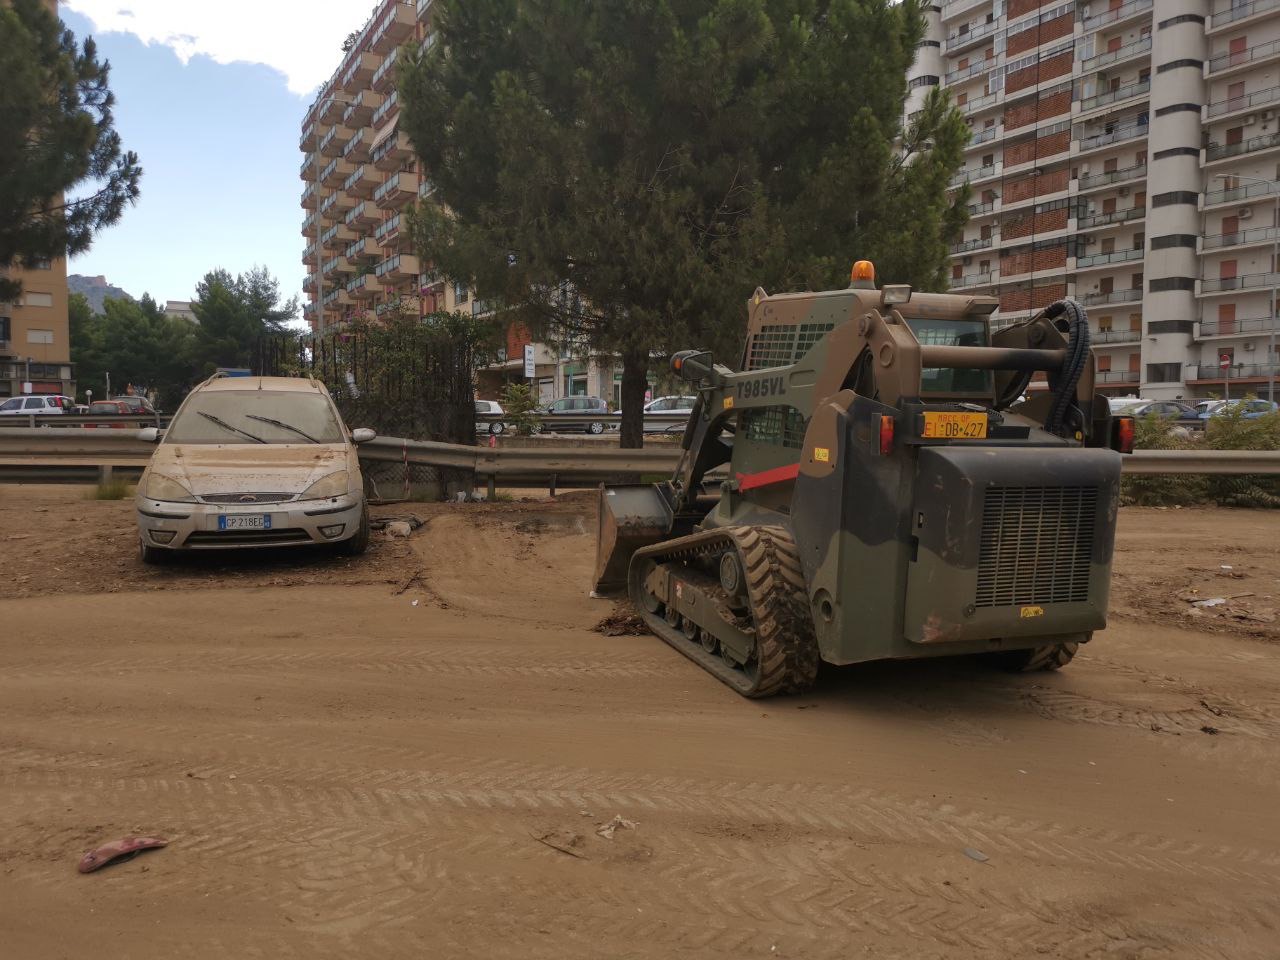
[{"x": 749, "y": 481}]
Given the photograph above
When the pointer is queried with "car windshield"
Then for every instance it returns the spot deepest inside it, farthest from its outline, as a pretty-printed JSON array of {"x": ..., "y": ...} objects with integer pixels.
[{"x": 252, "y": 416}]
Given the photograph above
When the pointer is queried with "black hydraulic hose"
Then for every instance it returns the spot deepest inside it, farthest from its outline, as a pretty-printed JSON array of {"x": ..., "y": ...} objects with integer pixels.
[{"x": 1065, "y": 381}]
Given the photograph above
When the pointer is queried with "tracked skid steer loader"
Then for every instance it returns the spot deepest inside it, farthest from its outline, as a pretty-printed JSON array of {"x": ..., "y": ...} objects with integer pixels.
[{"x": 886, "y": 478}]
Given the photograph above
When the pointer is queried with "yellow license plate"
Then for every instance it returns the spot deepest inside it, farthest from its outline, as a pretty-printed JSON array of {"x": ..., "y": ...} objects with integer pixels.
[{"x": 954, "y": 426}]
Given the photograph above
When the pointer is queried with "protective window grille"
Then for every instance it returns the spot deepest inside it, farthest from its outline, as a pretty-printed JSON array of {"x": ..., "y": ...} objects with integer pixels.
[
  {"x": 777, "y": 345},
  {"x": 782, "y": 426},
  {"x": 1036, "y": 546}
]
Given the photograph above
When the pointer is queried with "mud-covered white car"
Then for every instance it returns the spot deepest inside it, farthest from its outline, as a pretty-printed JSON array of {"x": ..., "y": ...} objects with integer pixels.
[{"x": 253, "y": 462}]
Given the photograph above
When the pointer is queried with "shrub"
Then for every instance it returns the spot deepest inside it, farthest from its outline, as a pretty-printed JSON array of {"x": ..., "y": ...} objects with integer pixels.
[{"x": 520, "y": 408}]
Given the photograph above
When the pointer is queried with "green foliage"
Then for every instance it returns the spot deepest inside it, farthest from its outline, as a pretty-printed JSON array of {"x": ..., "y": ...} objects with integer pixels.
[
  {"x": 625, "y": 174},
  {"x": 57, "y": 134},
  {"x": 233, "y": 314},
  {"x": 1228, "y": 431},
  {"x": 520, "y": 408},
  {"x": 110, "y": 490}
]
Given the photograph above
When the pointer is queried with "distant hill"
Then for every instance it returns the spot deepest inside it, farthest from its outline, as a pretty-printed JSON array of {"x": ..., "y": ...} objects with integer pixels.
[{"x": 95, "y": 290}]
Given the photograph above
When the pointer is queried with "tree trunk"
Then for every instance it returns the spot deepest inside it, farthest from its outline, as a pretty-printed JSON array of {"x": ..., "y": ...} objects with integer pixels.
[{"x": 635, "y": 381}]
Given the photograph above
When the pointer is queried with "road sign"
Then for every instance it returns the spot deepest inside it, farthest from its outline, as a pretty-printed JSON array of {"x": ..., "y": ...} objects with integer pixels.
[
  {"x": 1224, "y": 361},
  {"x": 530, "y": 368},
  {"x": 26, "y": 386}
]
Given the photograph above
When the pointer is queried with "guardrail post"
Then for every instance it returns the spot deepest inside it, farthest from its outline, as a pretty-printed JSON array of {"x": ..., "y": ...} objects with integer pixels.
[
  {"x": 104, "y": 474},
  {"x": 492, "y": 493},
  {"x": 553, "y": 485}
]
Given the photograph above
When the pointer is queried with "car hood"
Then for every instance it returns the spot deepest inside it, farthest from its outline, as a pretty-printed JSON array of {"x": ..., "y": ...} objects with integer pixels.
[{"x": 206, "y": 468}]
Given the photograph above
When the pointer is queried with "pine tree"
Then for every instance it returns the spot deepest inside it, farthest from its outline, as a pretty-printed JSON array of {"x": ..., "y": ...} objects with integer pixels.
[
  {"x": 57, "y": 133},
  {"x": 626, "y": 173}
]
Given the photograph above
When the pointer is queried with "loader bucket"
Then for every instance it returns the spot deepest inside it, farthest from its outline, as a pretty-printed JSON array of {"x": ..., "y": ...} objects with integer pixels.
[{"x": 631, "y": 516}]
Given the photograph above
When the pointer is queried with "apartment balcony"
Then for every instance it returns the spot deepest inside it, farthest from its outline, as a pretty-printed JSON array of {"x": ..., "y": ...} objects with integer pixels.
[
  {"x": 982, "y": 209},
  {"x": 335, "y": 172},
  {"x": 1094, "y": 181},
  {"x": 1249, "y": 281},
  {"x": 309, "y": 196},
  {"x": 976, "y": 105},
  {"x": 309, "y": 254},
  {"x": 337, "y": 237},
  {"x": 329, "y": 210},
  {"x": 357, "y": 148},
  {"x": 384, "y": 111},
  {"x": 392, "y": 152},
  {"x": 1089, "y": 142},
  {"x": 362, "y": 181},
  {"x": 397, "y": 191},
  {"x": 1255, "y": 237},
  {"x": 1108, "y": 338},
  {"x": 968, "y": 246},
  {"x": 1116, "y": 377},
  {"x": 308, "y": 141},
  {"x": 331, "y": 143},
  {"x": 1245, "y": 327},
  {"x": 364, "y": 287},
  {"x": 307, "y": 169},
  {"x": 1098, "y": 221},
  {"x": 1131, "y": 295},
  {"x": 953, "y": 8},
  {"x": 1242, "y": 372},
  {"x": 364, "y": 214},
  {"x": 1108, "y": 58},
  {"x": 1233, "y": 14},
  {"x": 331, "y": 108},
  {"x": 388, "y": 230},
  {"x": 309, "y": 224},
  {"x": 394, "y": 29},
  {"x": 337, "y": 266},
  {"x": 986, "y": 135},
  {"x": 360, "y": 110},
  {"x": 425, "y": 189},
  {"x": 1244, "y": 103},
  {"x": 1227, "y": 63},
  {"x": 972, "y": 70},
  {"x": 967, "y": 37},
  {"x": 1128, "y": 92},
  {"x": 399, "y": 267},
  {"x": 308, "y": 281},
  {"x": 361, "y": 71},
  {"x": 1117, "y": 16},
  {"x": 384, "y": 78},
  {"x": 970, "y": 280},
  {"x": 365, "y": 248},
  {"x": 975, "y": 174},
  {"x": 423, "y": 7},
  {"x": 1234, "y": 196}
]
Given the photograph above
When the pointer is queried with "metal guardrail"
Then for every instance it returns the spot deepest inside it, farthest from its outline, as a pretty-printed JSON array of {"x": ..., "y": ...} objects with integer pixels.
[
  {"x": 55, "y": 456},
  {"x": 134, "y": 420}
]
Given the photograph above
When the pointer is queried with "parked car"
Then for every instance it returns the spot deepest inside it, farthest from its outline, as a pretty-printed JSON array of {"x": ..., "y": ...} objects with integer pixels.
[
  {"x": 40, "y": 405},
  {"x": 137, "y": 405},
  {"x": 108, "y": 408},
  {"x": 1252, "y": 409},
  {"x": 668, "y": 405},
  {"x": 253, "y": 462},
  {"x": 1183, "y": 413},
  {"x": 490, "y": 408},
  {"x": 573, "y": 407}
]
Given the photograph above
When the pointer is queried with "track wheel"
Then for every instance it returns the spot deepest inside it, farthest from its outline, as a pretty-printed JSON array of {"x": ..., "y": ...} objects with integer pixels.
[{"x": 1054, "y": 656}]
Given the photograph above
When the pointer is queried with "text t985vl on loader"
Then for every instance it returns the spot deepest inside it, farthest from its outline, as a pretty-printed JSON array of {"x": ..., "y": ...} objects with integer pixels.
[{"x": 887, "y": 495}]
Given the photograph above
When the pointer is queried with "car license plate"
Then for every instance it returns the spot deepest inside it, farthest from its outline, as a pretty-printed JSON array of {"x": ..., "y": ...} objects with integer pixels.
[
  {"x": 252, "y": 521},
  {"x": 954, "y": 426}
]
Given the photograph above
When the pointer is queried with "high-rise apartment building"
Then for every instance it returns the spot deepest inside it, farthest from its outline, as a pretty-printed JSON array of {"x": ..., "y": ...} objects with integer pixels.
[
  {"x": 34, "y": 344},
  {"x": 1126, "y": 154},
  {"x": 360, "y": 173}
]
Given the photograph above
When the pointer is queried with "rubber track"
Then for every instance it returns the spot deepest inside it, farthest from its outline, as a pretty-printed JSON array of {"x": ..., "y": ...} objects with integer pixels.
[
  {"x": 1053, "y": 657},
  {"x": 787, "y": 649}
]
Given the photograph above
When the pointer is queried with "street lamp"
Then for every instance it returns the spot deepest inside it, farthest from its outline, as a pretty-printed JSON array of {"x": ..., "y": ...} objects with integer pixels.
[
  {"x": 1275, "y": 265},
  {"x": 320, "y": 105}
]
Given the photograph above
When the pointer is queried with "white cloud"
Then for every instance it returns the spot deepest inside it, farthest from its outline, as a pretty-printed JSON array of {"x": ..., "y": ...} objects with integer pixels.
[{"x": 300, "y": 38}]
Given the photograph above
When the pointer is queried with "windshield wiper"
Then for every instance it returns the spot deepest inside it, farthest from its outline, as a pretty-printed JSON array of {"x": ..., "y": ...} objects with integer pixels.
[
  {"x": 282, "y": 425},
  {"x": 226, "y": 426}
]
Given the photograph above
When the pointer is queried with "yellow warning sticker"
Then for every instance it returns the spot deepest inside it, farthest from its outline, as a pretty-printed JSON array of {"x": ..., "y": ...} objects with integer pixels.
[
  {"x": 728, "y": 403},
  {"x": 1029, "y": 612},
  {"x": 821, "y": 455}
]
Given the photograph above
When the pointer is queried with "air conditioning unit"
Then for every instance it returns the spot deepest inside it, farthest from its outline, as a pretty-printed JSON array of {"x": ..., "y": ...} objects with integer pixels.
[
  {"x": 1248, "y": 346},
  {"x": 967, "y": 260},
  {"x": 1084, "y": 169},
  {"x": 1244, "y": 213},
  {"x": 1268, "y": 114},
  {"x": 1089, "y": 240},
  {"x": 1124, "y": 191},
  {"x": 1250, "y": 120}
]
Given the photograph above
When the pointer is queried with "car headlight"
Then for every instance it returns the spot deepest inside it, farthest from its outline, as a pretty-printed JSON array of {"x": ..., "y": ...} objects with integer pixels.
[
  {"x": 332, "y": 485},
  {"x": 160, "y": 487}
]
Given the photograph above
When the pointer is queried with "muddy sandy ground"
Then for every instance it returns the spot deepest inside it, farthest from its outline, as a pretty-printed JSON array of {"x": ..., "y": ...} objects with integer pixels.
[{"x": 410, "y": 755}]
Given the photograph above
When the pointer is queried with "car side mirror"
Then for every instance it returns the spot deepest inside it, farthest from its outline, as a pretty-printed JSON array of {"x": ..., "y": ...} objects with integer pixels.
[
  {"x": 149, "y": 434},
  {"x": 692, "y": 365},
  {"x": 362, "y": 435}
]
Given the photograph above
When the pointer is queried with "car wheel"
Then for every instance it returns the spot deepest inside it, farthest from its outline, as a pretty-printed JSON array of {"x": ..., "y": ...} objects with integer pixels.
[
  {"x": 596, "y": 428},
  {"x": 152, "y": 556},
  {"x": 497, "y": 427},
  {"x": 536, "y": 427},
  {"x": 357, "y": 544}
]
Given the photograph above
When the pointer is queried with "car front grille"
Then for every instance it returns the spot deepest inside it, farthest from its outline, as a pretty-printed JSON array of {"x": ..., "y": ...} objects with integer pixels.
[
  {"x": 247, "y": 538},
  {"x": 1036, "y": 546},
  {"x": 240, "y": 497}
]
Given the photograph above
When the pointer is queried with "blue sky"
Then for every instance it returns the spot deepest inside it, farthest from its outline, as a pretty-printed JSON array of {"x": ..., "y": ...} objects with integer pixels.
[{"x": 218, "y": 141}]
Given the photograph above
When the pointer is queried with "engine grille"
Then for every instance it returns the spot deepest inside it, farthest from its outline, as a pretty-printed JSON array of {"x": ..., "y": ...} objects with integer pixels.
[
  {"x": 239, "y": 497},
  {"x": 247, "y": 538},
  {"x": 780, "y": 344},
  {"x": 1037, "y": 543}
]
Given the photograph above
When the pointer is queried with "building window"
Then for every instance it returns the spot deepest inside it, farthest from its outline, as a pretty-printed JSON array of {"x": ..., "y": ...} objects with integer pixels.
[
  {"x": 39, "y": 336},
  {"x": 4, "y": 329},
  {"x": 925, "y": 81},
  {"x": 1164, "y": 372},
  {"x": 33, "y": 299},
  {"x": 460, "y": 292},
  {"x": 40, "y": 263}
]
